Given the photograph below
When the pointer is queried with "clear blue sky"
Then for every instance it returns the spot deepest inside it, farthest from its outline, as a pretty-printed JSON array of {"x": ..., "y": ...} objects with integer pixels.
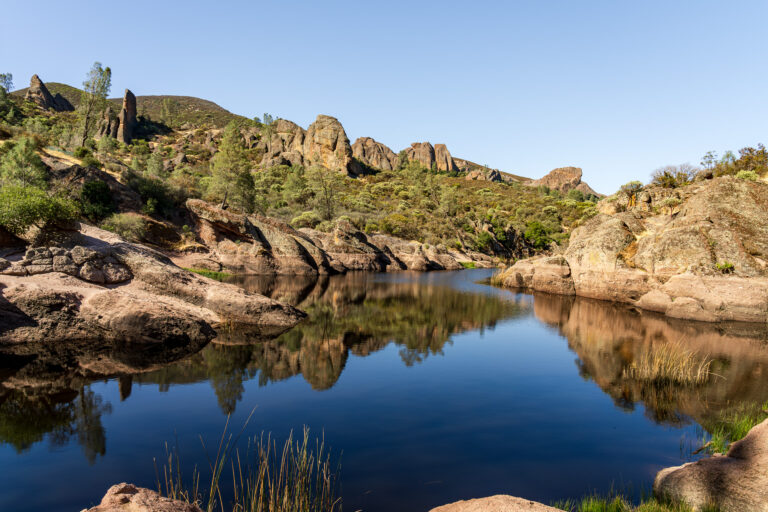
[{"x": 618, "y": 88}]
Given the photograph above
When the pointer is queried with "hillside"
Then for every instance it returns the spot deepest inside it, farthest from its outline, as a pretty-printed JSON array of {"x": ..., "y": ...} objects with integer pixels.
[{"x": 173, "y": 111}]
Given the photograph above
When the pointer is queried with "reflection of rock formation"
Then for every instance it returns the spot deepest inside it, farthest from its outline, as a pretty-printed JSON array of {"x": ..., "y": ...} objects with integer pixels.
[
  {"x": 354, "y": 313},
  {"x": 609, "y": 338}
]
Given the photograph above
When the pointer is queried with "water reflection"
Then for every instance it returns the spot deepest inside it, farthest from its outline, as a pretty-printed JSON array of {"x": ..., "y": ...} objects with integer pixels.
[{"x": 610, "y": 338}]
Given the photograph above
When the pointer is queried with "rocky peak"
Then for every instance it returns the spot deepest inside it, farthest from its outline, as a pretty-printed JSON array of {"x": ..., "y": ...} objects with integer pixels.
[
  {"x": 564, "y": 179},
  {"x": 39, "y": 94},
  {"x": 443, "y": 158},
  {"x": 127, "y": 118},
  {"x": 327, "y": 144},
  {"x": 374, "y": 154},
  {"x": 428, "y": 155}
]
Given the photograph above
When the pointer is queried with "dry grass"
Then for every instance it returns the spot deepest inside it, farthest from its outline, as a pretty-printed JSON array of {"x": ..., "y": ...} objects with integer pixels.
[{"x": 670, "y": 363}]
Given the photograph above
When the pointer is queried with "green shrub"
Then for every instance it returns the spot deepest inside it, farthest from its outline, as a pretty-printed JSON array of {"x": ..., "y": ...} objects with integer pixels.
[
  {"x": 96, "y": 200},
  {"x": 537, "y": 235},
  {"x": 306, "y": 220},
  {"x": 747, "y": 175},
  {"x": 726, "y": 267},
  {"x": 673, "y": 176},
  {"x": 24, "y": 207},
  {"x": 81, "y": 152},
  {"x": 127, "y": 225}
]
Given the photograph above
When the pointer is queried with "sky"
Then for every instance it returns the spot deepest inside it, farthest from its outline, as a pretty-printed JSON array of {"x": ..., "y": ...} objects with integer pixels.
[{"x": 615, "y": 87}]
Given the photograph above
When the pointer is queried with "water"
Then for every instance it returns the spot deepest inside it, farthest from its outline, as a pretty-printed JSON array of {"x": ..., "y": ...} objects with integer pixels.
[{"x": 431, "y": 388}]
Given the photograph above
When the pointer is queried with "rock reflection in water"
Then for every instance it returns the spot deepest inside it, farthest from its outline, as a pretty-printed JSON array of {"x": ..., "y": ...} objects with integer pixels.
[
  {"x": 610, "y": 338},
  {"x": 356, "y": 313}
]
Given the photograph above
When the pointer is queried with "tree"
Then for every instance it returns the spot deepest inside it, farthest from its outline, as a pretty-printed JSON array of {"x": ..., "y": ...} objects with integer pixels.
[
  {"x": 22, "y": 165},
  {"x": 709, "y": 160},
  {"x": 326, "y": 184},
  {"x": 231, "y": 177},
  {"x": 6, "y": 81},
  {"x": 672, "y": 176},
  {"x": 93, "y": 100}
]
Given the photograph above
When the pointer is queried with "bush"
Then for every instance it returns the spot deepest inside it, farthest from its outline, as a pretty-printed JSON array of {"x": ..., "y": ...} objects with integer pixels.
[
  {"x": 21, "y": 165},
  {"x": 631, "y": 188},
  {"x": 537, "y": 235},
  {"x": 747, "y": 175},
  {"x": 673, "y": 176},
  {"x": 24, "y": 207},
  {"x": 127, "y": 225},
  {"x": 96, "y": 200},
  {"x": 82, "y": 152},
  {"x": 725, "y": 267}
]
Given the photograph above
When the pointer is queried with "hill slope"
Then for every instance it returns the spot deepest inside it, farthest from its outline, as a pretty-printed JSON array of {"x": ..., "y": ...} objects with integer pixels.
[{"x": 171, "y": 110}]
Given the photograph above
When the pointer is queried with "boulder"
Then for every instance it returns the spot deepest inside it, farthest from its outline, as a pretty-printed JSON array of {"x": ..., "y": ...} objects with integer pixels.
[
  {"x": 421, "y": 152},
  {"x": 564, "y": 179},
  {"x": 326, "y": 144},
  {"x": 38, "y": 93},
  {"x": 129, "y": 498},
  {"x": 671, "y": 260},
  {"x": 484, "y": 175},
  {"x": 498, "y": 503},
  {"x": 734, "y": 482},
  {"x": 443, "y": 159},
  {"x": 126, "y": 119},
  {"x": 374, "y": 154}
]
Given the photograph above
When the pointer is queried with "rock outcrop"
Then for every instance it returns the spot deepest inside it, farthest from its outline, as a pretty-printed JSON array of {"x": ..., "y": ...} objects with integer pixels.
[
  {"x": 326, "y": 144},
  {"x": 484, "y": 175},
  {"x": 374, "y": 154},
  {"x": 702, "y": 256},
  {"x": 38, "y": 93},
  {"x": 498, "y": 503},
  {"x": 254, "y": 244},
  {"x": 429, "y": 156},
  {"x": 126, "y": 119},
  {"x": 564, "y": 179},
  {"x": 129, "y": 498},
  {"x": 734, "y": 482},
  {"x": 283, "y": 144},
  {"x": 93, "y": 285}
]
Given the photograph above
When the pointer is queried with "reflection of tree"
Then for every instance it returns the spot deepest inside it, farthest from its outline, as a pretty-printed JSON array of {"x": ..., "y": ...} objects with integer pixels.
[
  {"x": 26, "y": 420},
  {"x": 346, "y": 314}
]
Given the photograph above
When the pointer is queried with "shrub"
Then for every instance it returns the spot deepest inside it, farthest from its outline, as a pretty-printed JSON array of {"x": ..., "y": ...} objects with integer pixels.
[
  {"x": 306, "y": 220},
  {"x": 631, "y": 188},
  {"x": 747, "y": 175},
  {"x": 24, "y": 207},
  {"x": 96, "y": 200},
  {"x": 81, "y": 152},
  {"x": 537, "y": 235},
  {"x": 673, "y": 176},
  {"x": 726, "y": 267},
  {"x": 107, "y": 144},
  {"x": 127, "y": 225}
]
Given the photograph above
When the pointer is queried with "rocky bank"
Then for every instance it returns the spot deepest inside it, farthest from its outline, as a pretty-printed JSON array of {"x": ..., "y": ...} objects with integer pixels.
[{"x": 698, "y": 252}]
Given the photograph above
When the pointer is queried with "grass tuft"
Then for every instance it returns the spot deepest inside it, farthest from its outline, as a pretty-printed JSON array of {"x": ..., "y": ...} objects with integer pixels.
[
  {"x": 468, "y": 264},
  {"x": 670, "y": 363},
  {"x": 218, "y": 276}
]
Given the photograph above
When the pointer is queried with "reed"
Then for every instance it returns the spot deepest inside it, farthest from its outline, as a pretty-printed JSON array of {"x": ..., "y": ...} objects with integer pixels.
[
  {"x": 297, "y": 478},
  {"x": 670, "y": 363}
]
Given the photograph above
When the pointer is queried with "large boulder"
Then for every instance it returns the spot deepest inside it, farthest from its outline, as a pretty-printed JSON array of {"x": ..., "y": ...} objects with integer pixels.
[
  {"x": 129, "y": 498},
  {"x": 374, "y": 154},
  {"x": 326, "y": 144},
  {"x": 39, "y": 94},
  {"x": 282, "y": 144},
  {"x": 443, "y": 159},
  {"x": 498, "y": 503},
  {"x": 421, "y": 152},
  {"x": 735, "y": 482},
  {"x": 703, "y": 255}
]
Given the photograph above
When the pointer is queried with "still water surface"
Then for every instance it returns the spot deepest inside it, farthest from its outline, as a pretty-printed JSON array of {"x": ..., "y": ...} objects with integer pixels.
[{"x": 431, "y": 387}]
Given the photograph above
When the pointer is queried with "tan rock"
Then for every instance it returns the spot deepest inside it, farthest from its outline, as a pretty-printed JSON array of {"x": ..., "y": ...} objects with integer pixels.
[
  {"x": 129, "y": 498},
  {"x": 563, "y": 179},
  {"x": 498, "y": 503},
  {"x": 127, "y": 118},
  {"x": 326, "y": 144},
  {"x": 735, "y": 482},
  {"x": 374, "y": 154},
  {"x": 38, "y": 93}
]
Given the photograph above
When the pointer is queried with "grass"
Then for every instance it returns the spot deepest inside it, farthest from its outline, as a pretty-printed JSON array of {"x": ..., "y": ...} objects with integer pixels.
[
  {"x": 298, "y": 478},
  {"x": 621, "y": 504},
  {"x": 218, "y": 276},
  {"x": 468, "y": 264},
  {"x": 732, "y": 427},
  {"x": 670, "y": 363}
]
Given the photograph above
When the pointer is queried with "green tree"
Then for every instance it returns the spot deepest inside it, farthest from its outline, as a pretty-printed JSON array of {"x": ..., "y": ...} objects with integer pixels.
[
  {"x": 6, "y": 81},
  {"x": 231, "y": 177},
  {"x": 93, "y": 100},
  {"x": 24, "y": 207},
  {"x": 96, "y": 200},
  {"x": 326, "y": 184},
  {"x": 22, "y": 165}
]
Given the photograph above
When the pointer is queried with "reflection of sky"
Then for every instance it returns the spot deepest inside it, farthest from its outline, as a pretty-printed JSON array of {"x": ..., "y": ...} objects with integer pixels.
[{"x": 502, "y": 410}]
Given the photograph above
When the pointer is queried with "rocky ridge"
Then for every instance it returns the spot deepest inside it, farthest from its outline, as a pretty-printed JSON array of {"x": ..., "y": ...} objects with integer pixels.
[
  {"x": 698, "y": 252},
  {"x": 564, "y": 179},
  {"x": 254, "y": 244}
]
